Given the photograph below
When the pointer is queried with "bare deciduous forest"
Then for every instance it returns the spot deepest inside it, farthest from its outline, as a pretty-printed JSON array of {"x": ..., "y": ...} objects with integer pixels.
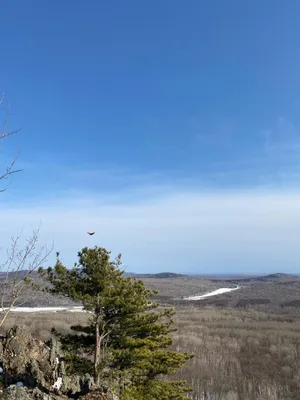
[
  {"x": 239, "y": 354},
  {"x": 243, "y": 349}
]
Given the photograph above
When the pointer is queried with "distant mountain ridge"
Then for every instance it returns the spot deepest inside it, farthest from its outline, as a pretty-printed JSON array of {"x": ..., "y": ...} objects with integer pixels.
[
  {"x": 167, "y": 275},
  {"x": 277, "y": 277}
]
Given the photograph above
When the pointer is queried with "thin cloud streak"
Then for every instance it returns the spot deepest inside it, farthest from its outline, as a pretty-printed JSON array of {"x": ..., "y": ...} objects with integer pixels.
[
  {"x": 269, "y": 157},
  {"x": 183, "y": 231}
]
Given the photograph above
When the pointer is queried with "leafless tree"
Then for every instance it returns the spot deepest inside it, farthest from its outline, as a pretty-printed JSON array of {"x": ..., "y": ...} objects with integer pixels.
[
  {"x": 21, "y": 262},
  {"x": 10, "y": 169}
]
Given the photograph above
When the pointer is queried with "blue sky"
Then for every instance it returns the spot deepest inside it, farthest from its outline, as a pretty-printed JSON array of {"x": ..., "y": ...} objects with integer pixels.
[{"x": 170, "y": 128}]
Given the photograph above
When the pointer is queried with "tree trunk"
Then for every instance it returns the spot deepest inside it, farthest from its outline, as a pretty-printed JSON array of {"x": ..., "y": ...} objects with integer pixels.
[{"x": 97, "y": 353}]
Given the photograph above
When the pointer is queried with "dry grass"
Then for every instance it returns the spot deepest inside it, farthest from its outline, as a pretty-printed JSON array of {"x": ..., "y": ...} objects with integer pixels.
[{"x": 40, "y": 324}]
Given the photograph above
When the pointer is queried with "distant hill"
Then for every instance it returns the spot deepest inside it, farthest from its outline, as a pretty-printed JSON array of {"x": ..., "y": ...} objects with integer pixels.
[{"x": 276, "y": 277}]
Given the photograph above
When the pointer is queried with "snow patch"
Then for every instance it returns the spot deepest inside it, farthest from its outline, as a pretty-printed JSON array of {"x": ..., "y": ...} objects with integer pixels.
[
  {"x": 44, "y": 309},
  {"x": 214, "y": 293},
  {"x": 57, "y": 385}
]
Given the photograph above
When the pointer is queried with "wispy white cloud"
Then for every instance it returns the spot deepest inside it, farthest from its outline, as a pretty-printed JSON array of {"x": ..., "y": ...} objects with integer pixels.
[
  {"x": 224, "y": 156},
  {"x": 282, "y": 139},
  {"x": 237, "y": 155},
  {"x": 172, "y": 230},
  {"x": 205, "y": 221}
]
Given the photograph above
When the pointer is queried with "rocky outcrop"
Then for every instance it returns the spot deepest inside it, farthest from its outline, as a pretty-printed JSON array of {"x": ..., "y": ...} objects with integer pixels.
[
  {"x": 22, "y": 393},
  {"x": 34, "y": 370},
  {"x": 14, "y": 392}
]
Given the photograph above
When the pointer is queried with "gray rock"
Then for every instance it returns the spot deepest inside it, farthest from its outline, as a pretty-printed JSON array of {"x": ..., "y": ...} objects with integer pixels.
[
  {"x": 16, "y": 393},
  {"x": 37, "y": 366},
  {"x": 22, "y": 393}
]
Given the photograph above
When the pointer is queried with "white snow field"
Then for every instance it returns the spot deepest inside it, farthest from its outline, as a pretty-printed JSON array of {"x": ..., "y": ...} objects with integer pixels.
[
  {"x": 214, "y": 293},
  {"x": 45, "y": 309}
]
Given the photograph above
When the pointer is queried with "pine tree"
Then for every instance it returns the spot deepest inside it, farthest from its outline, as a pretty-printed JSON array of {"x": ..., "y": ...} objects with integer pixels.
[{"x": 128, "y": 333}]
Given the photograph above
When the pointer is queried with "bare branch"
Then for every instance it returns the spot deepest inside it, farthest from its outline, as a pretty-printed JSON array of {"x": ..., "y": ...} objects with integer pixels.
[
  {"x": 21, "y": 262},
  {"x": 4, "y": 133}
]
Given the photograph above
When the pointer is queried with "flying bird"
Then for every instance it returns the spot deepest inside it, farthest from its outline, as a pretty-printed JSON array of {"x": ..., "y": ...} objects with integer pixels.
[{"x": 91, "y": 233}]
